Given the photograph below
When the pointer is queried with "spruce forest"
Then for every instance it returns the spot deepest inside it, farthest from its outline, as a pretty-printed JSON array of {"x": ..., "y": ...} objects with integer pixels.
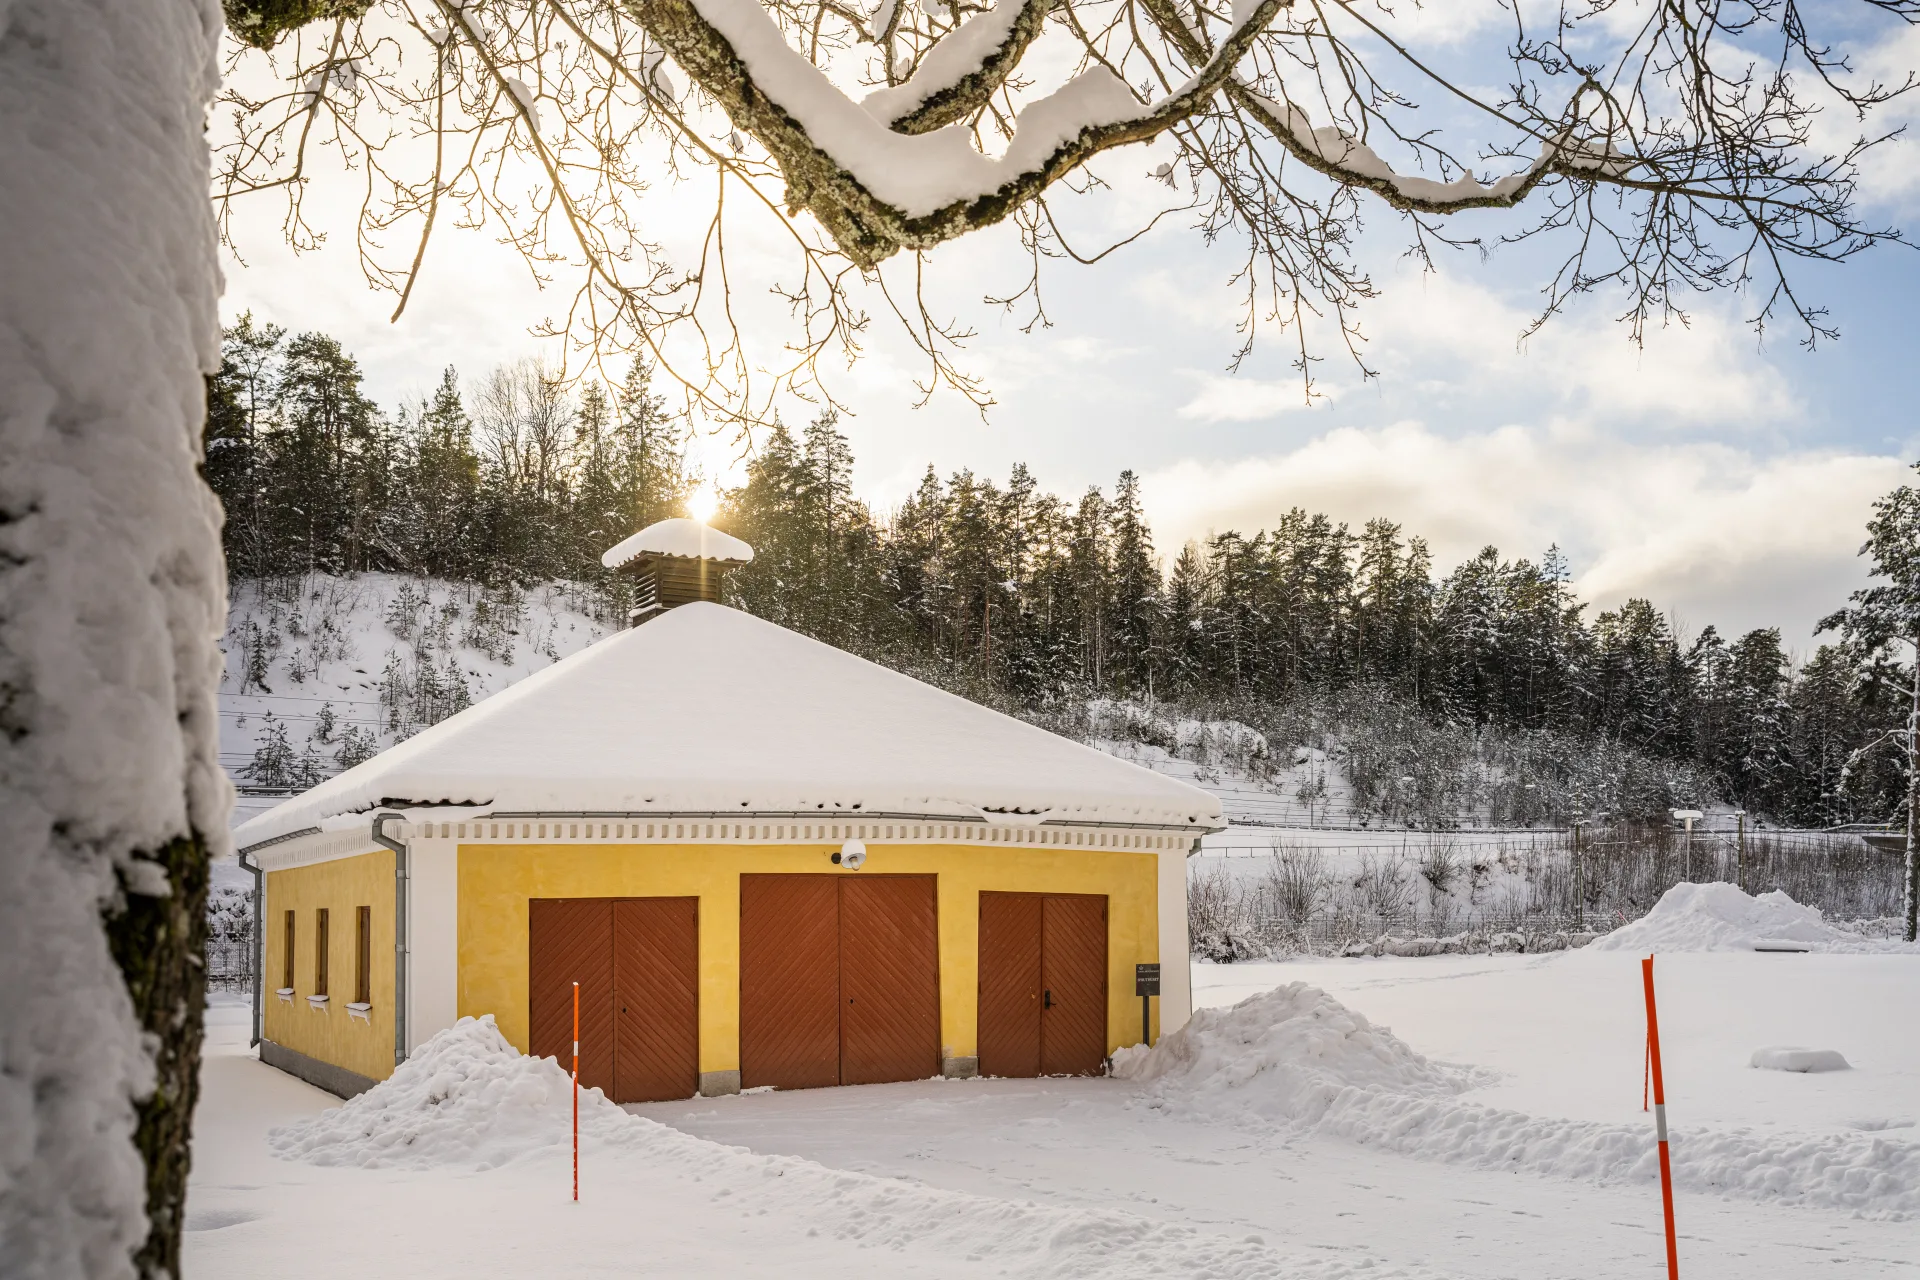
[{"x": 1064, "y": 609}]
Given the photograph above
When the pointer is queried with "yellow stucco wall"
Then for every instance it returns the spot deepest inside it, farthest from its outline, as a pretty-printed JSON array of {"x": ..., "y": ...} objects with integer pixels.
[
  {"x": 331, "y": 1035},
  {"x": 496, "y": 882}
]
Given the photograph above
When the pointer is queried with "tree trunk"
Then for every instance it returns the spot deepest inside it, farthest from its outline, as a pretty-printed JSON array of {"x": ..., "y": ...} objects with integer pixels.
[
  {"x": 112, "y": 598},
  {"x": 160, "y": 944}
]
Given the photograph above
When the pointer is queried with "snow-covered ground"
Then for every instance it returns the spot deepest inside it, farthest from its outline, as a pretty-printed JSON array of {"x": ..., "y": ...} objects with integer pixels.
[{"x": 1463, "y": 1116}]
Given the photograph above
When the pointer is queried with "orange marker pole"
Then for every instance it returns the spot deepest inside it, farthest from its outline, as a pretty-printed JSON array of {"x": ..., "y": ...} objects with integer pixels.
[
  {"x": 1660, "y": 1120},
  {"x": 576, "y": 1090}
]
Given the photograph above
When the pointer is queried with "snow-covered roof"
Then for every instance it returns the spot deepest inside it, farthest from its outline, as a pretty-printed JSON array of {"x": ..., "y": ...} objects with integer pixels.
[
  {"x": 709, "y": 710},
  {"x": 679, "y": 537}
]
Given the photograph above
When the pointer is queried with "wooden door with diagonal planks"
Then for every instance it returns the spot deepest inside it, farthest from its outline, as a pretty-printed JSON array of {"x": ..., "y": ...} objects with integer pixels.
[
  {"x": 889, "y": 979},
  {"x": 1073, "y": 979},
  {"x": 839, "y": 980},
  {"x": 656, "y": 985},
  {"x": 1043, "y": 984},
  {"x": 1010, "y": 984},
  {"x": 637, "y": 961},
  {"x": 789, "y": 981},
  {"x": 570, "y": 940}
]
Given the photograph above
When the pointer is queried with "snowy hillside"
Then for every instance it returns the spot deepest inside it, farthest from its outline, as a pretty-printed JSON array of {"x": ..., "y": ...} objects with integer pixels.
[{"x": 324, "y": 671}]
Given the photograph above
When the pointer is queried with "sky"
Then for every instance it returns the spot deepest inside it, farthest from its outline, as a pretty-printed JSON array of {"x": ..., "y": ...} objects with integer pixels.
[{"x": 1723, "y": 475}]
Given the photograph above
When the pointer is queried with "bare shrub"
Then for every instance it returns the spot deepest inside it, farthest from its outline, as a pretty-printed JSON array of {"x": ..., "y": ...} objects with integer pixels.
[
  {"x": 1297, "y": 881},
  {"x": 1440, "y": 866},
  {"x": 1382, "y": 885}
]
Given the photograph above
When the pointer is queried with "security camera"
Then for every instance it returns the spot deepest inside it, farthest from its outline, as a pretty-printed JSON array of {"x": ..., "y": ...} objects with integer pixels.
[{"x": 851, "y": 855}]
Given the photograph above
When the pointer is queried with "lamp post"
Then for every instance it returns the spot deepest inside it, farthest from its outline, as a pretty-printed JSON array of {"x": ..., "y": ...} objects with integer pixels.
[{"x": 1687, "y": 816}]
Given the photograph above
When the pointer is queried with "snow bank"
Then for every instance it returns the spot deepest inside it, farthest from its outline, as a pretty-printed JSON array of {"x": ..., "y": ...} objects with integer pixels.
[
  {"x": 1298, "y": 1057},
  {"x": 1287, "y": 1054},
  {"x": 1719, "y": 917},
  {"x": 468, "y": 1099}
]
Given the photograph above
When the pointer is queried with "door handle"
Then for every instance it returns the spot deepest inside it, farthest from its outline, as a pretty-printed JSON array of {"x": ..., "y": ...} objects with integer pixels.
[{"x": 1046, "y": 1001}]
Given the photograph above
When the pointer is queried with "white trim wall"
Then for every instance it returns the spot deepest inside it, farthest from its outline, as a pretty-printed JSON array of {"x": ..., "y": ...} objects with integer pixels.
[
  {"x": 433, "y": 993},
  {"x": 1176, "y": 973}
]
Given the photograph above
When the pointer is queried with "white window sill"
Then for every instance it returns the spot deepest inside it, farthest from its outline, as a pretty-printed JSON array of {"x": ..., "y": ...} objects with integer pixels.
[
  {"x": 285, "y": 994},
  {"x": 360, "y": 1011},
  {"x": 318, "y": 1002}
]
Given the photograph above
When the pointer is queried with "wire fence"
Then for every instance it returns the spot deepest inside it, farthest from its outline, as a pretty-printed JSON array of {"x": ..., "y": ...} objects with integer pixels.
[
  {"x": 231, "y": 946},
  {"x": 1530, "y": 891}
]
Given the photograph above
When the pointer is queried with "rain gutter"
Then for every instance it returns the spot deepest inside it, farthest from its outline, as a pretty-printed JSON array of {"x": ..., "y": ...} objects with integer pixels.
[{"x": 402, "y": 949}]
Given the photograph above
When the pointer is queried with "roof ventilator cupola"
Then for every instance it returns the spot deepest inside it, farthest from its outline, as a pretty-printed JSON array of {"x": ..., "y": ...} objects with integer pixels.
[{"x": 675, "y": 562}]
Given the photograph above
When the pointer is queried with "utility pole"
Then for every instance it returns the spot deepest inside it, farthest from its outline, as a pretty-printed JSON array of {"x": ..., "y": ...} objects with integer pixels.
[{"x": 1579, "y": 894}]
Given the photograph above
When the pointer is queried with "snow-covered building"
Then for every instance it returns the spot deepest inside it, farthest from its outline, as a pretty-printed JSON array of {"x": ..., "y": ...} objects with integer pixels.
[{"x": 765, "y": 862}]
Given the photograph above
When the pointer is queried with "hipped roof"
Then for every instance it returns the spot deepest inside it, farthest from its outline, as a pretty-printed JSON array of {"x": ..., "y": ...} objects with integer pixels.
[{"x": 709, "y": 710}]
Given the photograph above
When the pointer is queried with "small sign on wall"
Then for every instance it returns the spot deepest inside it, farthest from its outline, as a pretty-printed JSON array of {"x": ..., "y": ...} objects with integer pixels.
[{"x": 1146, "y": 979}]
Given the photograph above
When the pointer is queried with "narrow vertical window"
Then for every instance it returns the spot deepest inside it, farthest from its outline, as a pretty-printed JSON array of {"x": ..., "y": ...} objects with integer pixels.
[
  {"x": 363, "y": 956},
  {"x": 286, "y": 955},
  {"x": 320, "y": 952}
]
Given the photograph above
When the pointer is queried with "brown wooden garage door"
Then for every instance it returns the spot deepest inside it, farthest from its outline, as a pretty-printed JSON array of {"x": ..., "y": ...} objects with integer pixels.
[
  {"x": 638, "y": 964},
  {"x": 1043, "y": 984},
  {"x": 839, "y": 980}
]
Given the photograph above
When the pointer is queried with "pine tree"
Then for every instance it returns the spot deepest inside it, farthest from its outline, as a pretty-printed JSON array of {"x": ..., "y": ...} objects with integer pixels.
[
  {"x": 1882, "y": 618},
  {"x": 274, "y": 762},
  {"x": 650, "y": 460},
  {"x": 1137, "y": 604},
  {"x": 441, "y": 488}
]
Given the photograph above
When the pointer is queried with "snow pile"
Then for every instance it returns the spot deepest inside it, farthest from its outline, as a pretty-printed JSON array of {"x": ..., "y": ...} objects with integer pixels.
[
  {"x": 1792, "y": 1058},
  {"x": 466, "y": 1098},
  {"x": 1288, "y": 1054},
  {"x": 1298, "y": 1057},
  {"x": 1719, "y": 917}
]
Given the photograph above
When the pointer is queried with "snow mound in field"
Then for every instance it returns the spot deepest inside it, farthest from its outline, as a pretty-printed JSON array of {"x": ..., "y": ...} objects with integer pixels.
[
  {"x": 466, "y": 1098},
  {"x": 1287, "y": 1054},
  {"x": 1719, "y": 917},
  {"x": 1297, "y": 1057}
]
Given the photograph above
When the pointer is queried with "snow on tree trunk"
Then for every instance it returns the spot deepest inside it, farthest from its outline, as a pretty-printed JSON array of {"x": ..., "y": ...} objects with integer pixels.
[{"x": 111, "y": 598}]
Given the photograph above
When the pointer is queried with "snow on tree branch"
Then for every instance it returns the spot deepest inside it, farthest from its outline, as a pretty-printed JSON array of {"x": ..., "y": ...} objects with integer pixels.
[
  {"x": 877, "y": 191},
  {"x": 962, "y": 72}
]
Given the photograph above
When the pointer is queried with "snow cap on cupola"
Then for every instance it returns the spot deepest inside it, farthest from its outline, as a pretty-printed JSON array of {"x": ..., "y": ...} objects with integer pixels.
[{"x": 675, "y": 562}]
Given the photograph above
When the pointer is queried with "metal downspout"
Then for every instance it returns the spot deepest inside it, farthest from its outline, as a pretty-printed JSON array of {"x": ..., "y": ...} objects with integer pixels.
[
  {"x": 402, "y": 945},
  {"x": 259, "y": 944}
]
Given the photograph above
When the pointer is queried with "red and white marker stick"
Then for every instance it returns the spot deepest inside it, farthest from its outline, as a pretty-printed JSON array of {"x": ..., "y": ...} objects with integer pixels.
[
  {"x": 576, "y": 1092},
  {"x": 1660, "y": 1120}
]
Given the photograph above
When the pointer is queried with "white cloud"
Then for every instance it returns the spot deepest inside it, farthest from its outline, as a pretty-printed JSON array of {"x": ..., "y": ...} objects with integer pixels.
[
  {"x": 1711, "y": 532},
  {"x": 1444, "y": 328},
  {"x": 1225, "y": 398}
]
